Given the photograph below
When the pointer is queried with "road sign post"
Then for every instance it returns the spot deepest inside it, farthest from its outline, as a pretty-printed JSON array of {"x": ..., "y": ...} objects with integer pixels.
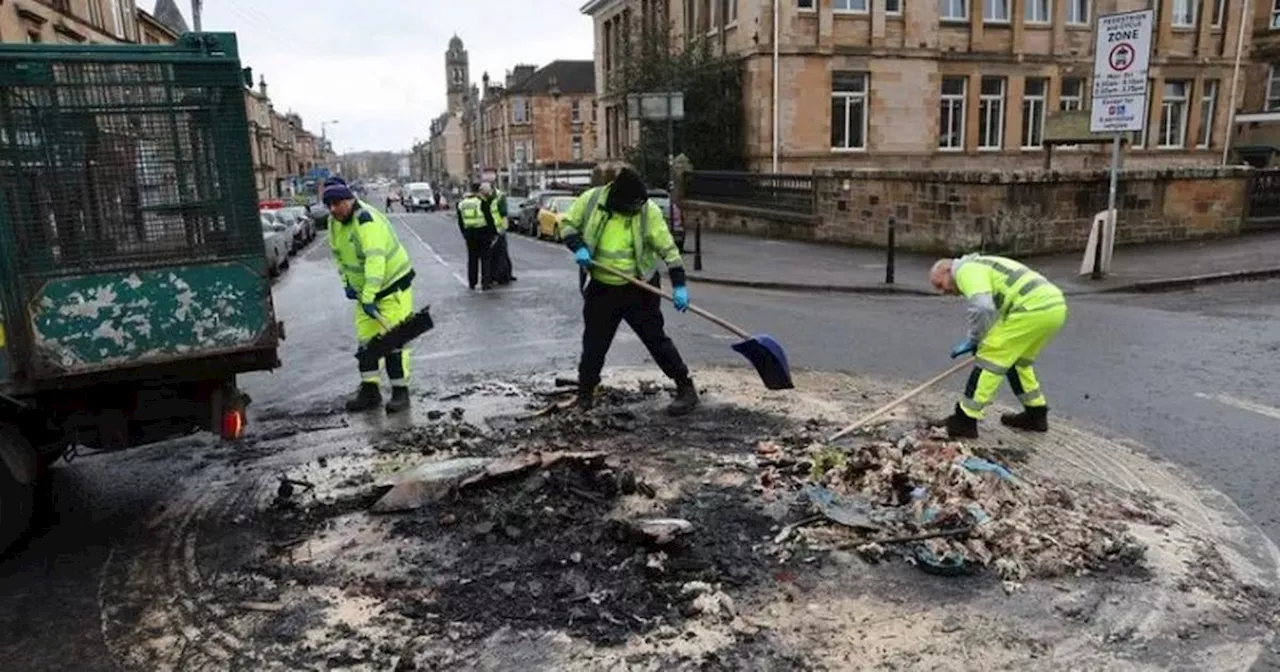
[{"x": 1122, "y": 56}]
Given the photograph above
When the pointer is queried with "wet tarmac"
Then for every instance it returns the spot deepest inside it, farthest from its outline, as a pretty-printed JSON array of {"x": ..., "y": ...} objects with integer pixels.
[{"x": 1186, "y": 375}]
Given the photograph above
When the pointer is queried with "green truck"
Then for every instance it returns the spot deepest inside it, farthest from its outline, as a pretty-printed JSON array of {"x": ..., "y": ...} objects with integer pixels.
[{"x": 133, "y": 279}]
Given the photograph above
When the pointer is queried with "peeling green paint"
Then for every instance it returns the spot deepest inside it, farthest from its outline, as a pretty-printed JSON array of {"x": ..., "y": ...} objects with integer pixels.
[{"x": 91, "y": 322}]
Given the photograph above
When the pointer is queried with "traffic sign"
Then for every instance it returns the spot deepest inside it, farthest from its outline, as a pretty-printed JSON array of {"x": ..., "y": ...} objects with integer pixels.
[{"x": 1122, "y": 55}]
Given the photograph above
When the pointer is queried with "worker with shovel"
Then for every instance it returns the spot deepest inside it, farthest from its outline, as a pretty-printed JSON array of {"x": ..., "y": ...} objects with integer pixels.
[
  {"x": 377, "y": 275},
  {"x": 615, "y": 230},
  {"x": 1014, "y": 312}
]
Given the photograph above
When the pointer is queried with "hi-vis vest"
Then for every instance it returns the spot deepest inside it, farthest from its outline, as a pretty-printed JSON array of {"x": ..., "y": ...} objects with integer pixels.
[
  {"x": 629, "y": 243},
  {"x": 499, "y": 222},
  {"x": 370, "y": 258},
  {"x": 472, "y": 214},
  {"x": 1014, "y": 287}
]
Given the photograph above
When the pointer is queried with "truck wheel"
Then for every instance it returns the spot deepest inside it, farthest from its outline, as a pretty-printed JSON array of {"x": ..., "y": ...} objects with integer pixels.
[{"x": 16, "y": 501}]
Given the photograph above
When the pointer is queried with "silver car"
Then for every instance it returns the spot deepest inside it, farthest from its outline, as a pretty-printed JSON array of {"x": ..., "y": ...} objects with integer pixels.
[{"x": 277, "y": 240}]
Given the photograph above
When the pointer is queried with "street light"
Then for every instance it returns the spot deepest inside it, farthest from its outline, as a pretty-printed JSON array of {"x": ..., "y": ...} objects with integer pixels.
[
  {"x": 324, "y": 136},
  {"x": 555, "y": 126}
]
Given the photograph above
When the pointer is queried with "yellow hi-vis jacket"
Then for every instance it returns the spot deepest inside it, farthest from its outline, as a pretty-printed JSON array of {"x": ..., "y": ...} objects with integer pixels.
[
  {"x": 998, "y": 287},
  {"x": 369, "y": 256},
  {"x": 629, "y": 243}
]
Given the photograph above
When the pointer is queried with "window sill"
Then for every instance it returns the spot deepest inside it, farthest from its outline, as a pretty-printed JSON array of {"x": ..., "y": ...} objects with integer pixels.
[
  {"x": 990, "y": 150},
  {"x": 1079, "y": 26},
  {"x": 1035, "y": 148},
  {"x": 953, "y": 21},
  {"x": 951, "y": 150},
  {"x": 1039, "y": 25},
  {"x": 848, "y": 150},
  {"x": 1171, "y": 148},
  {"x": 859, "y": 13},
  {"x": 1001, "y": 23}
]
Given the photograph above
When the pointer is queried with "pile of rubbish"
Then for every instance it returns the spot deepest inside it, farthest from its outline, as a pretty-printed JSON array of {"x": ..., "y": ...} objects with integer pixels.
[{"x": 951, "y": 512}]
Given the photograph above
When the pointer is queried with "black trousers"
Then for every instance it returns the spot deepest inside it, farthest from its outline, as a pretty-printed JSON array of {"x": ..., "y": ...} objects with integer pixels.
[
  {"x": 604, "y": 308},
  {"x": 479, "y": 256}
]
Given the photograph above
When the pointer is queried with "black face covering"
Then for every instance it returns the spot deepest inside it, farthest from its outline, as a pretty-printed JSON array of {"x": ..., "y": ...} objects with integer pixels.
[{"x": 627, "y": 193}]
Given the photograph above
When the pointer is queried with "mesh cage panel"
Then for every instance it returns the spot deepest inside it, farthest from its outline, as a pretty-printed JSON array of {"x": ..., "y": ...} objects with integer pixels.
[{"x": 120, "y": 164}]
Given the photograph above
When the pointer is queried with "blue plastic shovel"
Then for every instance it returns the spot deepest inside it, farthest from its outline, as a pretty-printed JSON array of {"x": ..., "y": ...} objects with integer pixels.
[{"x": 763, "y": 351}]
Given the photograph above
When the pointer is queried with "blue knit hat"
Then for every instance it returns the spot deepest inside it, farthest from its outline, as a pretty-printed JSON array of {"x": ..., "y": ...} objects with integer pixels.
[{"x": 335, "y": 189}]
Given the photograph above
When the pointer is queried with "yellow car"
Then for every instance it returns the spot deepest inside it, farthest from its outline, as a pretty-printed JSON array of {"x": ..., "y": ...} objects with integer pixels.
[{"x": 550, "y": 215}]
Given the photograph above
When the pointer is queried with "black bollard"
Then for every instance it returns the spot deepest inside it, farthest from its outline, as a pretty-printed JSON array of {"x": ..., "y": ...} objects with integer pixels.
[
  {"x": 697, "y": 245},
  {"x": 888, "y": 263}
]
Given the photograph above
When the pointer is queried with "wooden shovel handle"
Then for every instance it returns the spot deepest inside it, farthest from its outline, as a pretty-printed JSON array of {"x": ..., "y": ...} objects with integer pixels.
[
  {"x": 739, "y": 331},
  {"x": 900, "y": 400}
]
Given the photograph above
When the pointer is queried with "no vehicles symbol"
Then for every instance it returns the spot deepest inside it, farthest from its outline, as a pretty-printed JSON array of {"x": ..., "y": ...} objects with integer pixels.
[{"x": 1121, "y": 57}]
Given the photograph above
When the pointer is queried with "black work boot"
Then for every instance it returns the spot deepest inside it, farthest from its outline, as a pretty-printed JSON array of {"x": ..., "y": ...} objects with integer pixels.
[
  {"x": 1031, "y": 419},
  {"x": 399, "y": 399},
  {"x": 586, "y": 398},
  {"x": 367, "y": 398},
  {"x": 686, "y": 398},
  {"x": 961, "y": 426}
]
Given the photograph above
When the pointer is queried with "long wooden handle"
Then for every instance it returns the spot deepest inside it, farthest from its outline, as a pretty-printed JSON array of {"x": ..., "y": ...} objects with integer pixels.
[
  {"x": 739, "y": 331},
  {"x": 900, "y": 400}
]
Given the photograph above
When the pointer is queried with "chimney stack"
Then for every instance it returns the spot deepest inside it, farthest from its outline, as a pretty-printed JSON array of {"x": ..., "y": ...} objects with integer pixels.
[{"x": 262, "y": 86}]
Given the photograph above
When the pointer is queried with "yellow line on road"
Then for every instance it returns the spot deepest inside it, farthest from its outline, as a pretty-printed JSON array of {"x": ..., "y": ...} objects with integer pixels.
[{"x": 1242, "y": 404}]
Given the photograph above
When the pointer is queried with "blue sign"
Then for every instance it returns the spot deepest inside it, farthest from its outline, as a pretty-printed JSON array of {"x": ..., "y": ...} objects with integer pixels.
[{"x": 319, "y": 173}]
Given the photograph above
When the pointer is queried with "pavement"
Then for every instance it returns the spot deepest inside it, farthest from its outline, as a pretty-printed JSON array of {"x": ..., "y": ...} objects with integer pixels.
[
  {"x": 746, "y": 261},
  {"x": 1182, "y": 374}
]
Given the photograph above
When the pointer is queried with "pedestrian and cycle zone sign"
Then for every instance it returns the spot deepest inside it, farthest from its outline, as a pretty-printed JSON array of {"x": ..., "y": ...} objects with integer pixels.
[{"x": 1122, "y": 55}]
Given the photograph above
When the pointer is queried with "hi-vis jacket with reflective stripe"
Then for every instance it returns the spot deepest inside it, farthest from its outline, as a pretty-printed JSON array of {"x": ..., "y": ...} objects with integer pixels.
[
  {"x": 998, "y": 288},
  {"x": 370, "y": 258},
  {"x": 604, "y": 234}
]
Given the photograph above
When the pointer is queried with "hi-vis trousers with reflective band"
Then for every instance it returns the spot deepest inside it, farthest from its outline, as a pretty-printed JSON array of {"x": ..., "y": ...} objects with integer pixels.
[
  {"x": 1008, "y": 351},
  {"x": 395, "y": 308}
]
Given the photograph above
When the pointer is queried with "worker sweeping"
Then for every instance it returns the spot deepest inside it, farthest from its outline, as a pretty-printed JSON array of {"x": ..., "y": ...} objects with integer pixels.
[
  {"x": 1014, "y": 312},
  {"x": 377, "y": 275},
  {"x": 616, "y": 225}
]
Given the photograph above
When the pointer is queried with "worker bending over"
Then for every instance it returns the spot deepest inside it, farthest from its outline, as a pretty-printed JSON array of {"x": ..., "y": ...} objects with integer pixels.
[
  {"x": 616, "y": 225},
  {"x": 1014, "y": 312}
]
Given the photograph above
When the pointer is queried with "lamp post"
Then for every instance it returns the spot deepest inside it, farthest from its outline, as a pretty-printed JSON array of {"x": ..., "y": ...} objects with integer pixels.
[
  {"x": 555, "y": 126},
  {"x": 324, "y": 138}
]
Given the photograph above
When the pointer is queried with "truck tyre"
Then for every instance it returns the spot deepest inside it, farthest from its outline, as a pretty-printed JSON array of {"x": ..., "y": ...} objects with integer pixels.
[{"x": 16, "y": 498}]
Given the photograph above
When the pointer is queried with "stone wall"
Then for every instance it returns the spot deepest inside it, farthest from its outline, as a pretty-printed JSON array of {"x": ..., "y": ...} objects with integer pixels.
[{"x": 1022, "y": 213}]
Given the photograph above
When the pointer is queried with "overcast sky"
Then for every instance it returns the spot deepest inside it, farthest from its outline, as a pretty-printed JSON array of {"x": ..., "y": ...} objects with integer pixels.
[{"x": 377, "y": 66}]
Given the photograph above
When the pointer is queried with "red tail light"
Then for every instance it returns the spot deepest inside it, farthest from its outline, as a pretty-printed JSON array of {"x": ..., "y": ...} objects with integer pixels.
[{"x": 232, "y": 424}]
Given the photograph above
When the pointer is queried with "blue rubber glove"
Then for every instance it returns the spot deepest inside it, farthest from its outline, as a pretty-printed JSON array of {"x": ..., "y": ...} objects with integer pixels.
[
  {"x": 351, "y": 293},
  {"x": 583, "y": 256},
  {"x": 370, "y": 309},
  {"x": 681, "y": 298},
  {"x": 964, "y": 347}
]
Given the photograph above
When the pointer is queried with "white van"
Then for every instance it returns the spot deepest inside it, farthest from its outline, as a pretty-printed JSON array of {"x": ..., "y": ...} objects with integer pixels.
[{"x": 418, "y": 197}]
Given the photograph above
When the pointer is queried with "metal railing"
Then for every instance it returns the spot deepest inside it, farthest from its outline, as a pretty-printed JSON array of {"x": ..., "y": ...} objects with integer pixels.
[
  {"x": 1263, "y": 198},
  {"x": 792, "y": 194}
]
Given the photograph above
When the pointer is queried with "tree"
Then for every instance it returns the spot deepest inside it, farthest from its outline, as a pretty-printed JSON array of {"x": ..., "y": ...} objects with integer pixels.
[{"x": 711, "y": 133}]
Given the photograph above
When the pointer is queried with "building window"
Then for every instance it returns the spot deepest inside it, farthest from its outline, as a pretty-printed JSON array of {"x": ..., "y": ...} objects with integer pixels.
[
  {"x": 1033, "y": 108},
  {"x": 957, "y": 10},
  {"x": 1173, "y": 114},
  {"x": 1219, "y": 12},
  {"x": 1273, "y": 90},
  {"x": 995, "y": 11},
  {"x": 519, "y": 110},
  {"x": 1184, "y": 13},
  {"x": 1037, "y": 11},
  {"x": 849, "y": 6},
  {"x": 577, "y": 148},
  {"x": 991, "y": 113},
  {"x": 1275, "y": 14},
  {"x": 95, "y": 13},
  {"x": 849, "y": 110},
  {"x": 1077, "y": 12},
  {"x": 951, "y": 119},
  {"x": 805, "y": 4},
  {"x": 1071, "y": 96},
  {"x": 575, "y": 112},
  {"x": 1208, "y": 105},
  {"x": 729, "y": 9},
  {"x": 892, "y": 6}
]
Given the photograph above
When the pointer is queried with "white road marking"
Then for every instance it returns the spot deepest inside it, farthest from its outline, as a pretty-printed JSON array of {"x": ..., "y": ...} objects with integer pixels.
[
  {"x": 456, "y": 275},
  {"x": 1242, "y": 404}
]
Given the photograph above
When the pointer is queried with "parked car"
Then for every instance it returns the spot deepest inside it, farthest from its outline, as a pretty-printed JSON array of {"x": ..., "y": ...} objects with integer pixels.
[
  {"x": 532, "y": 206},
  {"x": 671, "y": 212},
  {"x": 306, "y": 226},
  {"x": 275, "y": 236},
  {"x": 550, "y": 215},
  {"x": 291, "y": 227}
]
